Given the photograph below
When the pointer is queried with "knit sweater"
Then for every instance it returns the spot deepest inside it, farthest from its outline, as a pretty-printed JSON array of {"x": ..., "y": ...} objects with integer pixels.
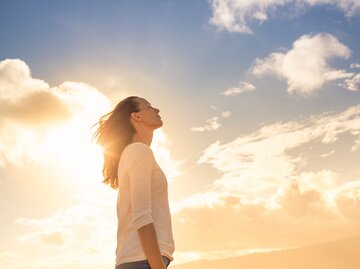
[{"x": 142, "y": 199}]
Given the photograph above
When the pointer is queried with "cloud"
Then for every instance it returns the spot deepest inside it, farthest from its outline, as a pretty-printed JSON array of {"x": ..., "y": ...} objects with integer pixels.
[
  {"x": 236, "y": 15},
  {"x": 160, "y": 145},
  {"x": 10, "y": 260},
  {"x": 248, "y": 161},
  {"x": 274, "y": 189},
  {"x": 327, "y": 154},
  {"x": 242, "y": 87},
  {"x": 297, "y": 199},
  {"x": 229, "y": 221},
  {"x": 16, "y": 80},
  {"x": 352, "y": 83},
  {"x": 46, "y": 237},
  {"x": 348, "y": 200},
  {"x": 225, "y": 114},
  {"x": 70, "y": 234},
  {"x": 35, "y": 108},
  {"x": 25, "y": 99},
  {"x": 210, "y": 124},
  {"x": 355, "y": 65},
  {"x": 308, "y": 58},
  {"x": 35, "y": 115},
  {"x": 233, "y": 16}
]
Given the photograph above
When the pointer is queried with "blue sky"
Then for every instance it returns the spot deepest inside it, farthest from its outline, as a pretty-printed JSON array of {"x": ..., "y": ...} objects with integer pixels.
[
  {"x": 171, "y": 41},
  {"x": 289, "y": 130}
]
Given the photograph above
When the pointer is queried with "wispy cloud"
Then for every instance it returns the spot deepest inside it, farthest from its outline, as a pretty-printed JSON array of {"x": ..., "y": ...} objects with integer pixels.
[
  {"x": 242, "y": 87},
  {"x": 327, "y": 154},
  {"x": 354, "y": 65},
  {"x": 212, "y": 123},
  {"x": 250, "y": 159},
  {"x": 308, "y": 58},
  {"x": 352, "y": 83},
  {"x": 236, "y": 15},
  {"x": 225, "y": 114}
]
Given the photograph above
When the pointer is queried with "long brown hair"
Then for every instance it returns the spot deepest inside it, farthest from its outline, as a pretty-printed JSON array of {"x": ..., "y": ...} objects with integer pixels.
[{"x": 113, "y": 134}]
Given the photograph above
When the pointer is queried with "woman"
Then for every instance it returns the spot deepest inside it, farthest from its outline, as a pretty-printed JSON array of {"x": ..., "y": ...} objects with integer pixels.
[{"x": 144, "y": 235}]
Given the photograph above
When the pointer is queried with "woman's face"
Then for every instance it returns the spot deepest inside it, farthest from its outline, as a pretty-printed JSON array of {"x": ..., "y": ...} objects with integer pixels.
[{"x": 148, "y": 115}]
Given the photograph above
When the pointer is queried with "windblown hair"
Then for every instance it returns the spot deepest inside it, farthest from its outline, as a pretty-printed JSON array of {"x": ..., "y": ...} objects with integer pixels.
[{"x": 113, "y": 134}]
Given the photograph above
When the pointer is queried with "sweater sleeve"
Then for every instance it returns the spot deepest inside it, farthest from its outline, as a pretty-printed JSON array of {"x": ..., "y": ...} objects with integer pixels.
[{"x": 139, "y": 172}]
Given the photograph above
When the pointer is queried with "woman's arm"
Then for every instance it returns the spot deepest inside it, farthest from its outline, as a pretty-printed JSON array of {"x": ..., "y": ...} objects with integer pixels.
[
  {"x": 150, "y": 246},
  {"x": 140, "y": 169}
]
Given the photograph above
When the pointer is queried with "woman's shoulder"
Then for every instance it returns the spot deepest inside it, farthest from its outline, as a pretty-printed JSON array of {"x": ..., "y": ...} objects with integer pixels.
[
  {"x": 137, "y": 146},
  {"x": 137, "y": 149}
]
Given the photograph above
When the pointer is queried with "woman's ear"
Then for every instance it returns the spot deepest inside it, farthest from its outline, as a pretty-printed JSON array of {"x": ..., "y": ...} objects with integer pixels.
[{"x": 135, "y": 116}]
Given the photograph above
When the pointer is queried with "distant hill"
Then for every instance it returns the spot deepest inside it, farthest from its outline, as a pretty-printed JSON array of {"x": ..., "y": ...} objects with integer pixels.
[{"x": 339, "y": 254}]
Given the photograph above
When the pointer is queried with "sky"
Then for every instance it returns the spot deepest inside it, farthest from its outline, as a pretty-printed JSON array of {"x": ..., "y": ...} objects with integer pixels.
[{"x": 261, "y": 136}]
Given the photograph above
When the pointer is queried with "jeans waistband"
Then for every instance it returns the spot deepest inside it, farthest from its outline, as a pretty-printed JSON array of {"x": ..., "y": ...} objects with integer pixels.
[{"x": 140, "y": 264}]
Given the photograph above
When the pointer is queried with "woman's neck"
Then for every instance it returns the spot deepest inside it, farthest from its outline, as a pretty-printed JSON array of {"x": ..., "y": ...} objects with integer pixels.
[{"x": 143, "y": 137}]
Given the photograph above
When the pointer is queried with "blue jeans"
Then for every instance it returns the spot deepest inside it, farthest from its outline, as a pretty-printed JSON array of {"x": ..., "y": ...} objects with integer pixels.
[{"x": 141, "y": 264}]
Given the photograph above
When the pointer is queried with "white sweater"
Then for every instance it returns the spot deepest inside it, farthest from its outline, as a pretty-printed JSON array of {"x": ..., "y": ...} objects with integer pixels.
[{"x": 142, "y": 199}]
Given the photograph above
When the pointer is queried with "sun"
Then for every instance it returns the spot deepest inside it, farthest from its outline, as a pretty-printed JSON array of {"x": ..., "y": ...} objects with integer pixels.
[{"x": 68, "y": 146}]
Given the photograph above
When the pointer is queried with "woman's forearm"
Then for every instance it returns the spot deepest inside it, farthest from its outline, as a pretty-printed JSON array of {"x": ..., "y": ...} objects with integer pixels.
[{"x": 150, "y": 246}]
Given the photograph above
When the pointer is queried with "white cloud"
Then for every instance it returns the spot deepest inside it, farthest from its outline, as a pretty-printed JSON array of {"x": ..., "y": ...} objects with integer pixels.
[
  {"x": 16, "y": 80},
  {"x": 353, "y": 83},
  {"x": 160, "y": 145},
  {"x": 248, "y": 162},
  {"x": 210, "y": 124},
  {"x": 236, "y": 15},
  {"x": 25, "y": 99},
  {"x": 35, "y": 117},
  {"x": 233, "y": 16},
  {"x": 242, "y": 87},
  {"x": 225, "y": 114},
  {"x": 308, "y": 58},
  {"x": 355, "y": 65}
]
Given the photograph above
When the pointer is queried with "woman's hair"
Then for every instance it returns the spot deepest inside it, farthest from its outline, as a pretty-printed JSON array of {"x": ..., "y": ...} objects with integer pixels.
[{"x": 114, "y": 133}]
